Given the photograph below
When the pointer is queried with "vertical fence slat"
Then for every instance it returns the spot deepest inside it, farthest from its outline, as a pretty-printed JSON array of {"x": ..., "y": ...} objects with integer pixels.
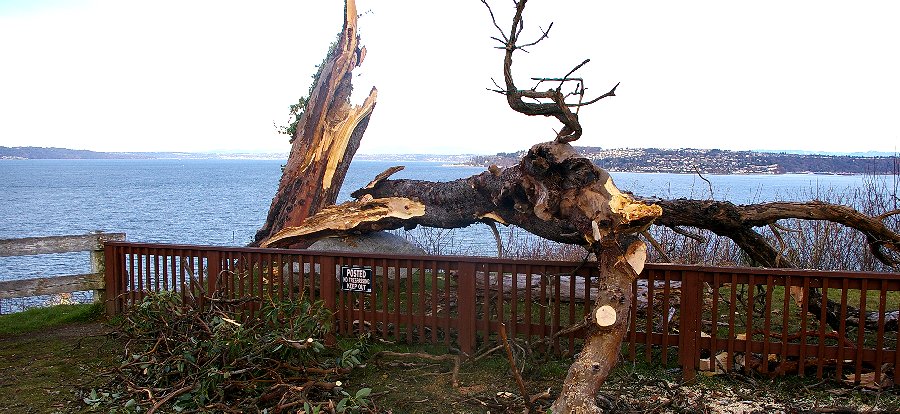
[
  {"x": 156, "y": 281},
  {"x": 666, "y": 305},
  {"x": 385, "y": 298},
  {"x": 573, "y": 280},
  {"x": 466, "y": 303},
  {"x": 148, "y": 282},
  {"x": 327, "y": 283},
  {"x": 767, "y": 323},
  {"x": 823, "y": 322},
  {"x": 448, "y": 282},
  {"x": 138, "y": 271},
  {"x": 542, "y": 295},
  {"x": 528, "y": 305},
  {"x": 690, "y": 324},
  {"x": 554, "y": 328},
  {"x": 785, "y": 331},
  {"x": 214, "y": 266},
  {"x": 842, "y": 332},
  {"x": 714, "y": 323},
  {"x": 879, "y": 343},
  {"x": 514, "y": 306},
  {"x": 748, "y": 318},
  {"x": 110, "y": 295},
  {"x": 732, "y": 310},
  {"x": 804, "y": 315},
  {"x": 499, "y": 296},
  {"x": 648, "y": 324},
  {"x": 632, "y": 322},
  {"x": 486, "y": 297},
  {"x": 897, "y": 354},
  {"x": 860, "y": 331},
  {"x": 434, "y": 301}
]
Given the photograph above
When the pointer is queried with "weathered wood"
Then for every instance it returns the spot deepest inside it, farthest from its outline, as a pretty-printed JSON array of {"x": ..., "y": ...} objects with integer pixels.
[
  {"x": 28, "y": 246},
  {"x": 50, "y": 285},
  {"x": 327, "y": 135}
]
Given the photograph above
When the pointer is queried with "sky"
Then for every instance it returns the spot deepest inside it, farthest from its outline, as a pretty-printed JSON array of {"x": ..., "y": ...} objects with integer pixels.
[{"x": 216, "y": 76}]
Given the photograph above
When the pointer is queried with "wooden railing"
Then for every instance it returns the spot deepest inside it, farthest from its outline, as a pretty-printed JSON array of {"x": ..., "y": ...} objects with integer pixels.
[
  {"x": 52, "y": 285},
  {"x": 715, "y": 318}
]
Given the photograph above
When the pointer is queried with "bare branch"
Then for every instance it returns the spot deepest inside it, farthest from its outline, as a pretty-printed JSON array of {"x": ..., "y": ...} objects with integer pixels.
[
  {"x": 656, "y": 246},
  {"x": 494, "y": 21},
  {"x": 883, "y": 216},
  {"x": 573, "y": 71},
  {"x": 708, "y": 183},
  {"x": 544, "y": 34},
  {"x": 685, "y": 233},
  {"x": 612, "y": 92},
  {"x": 379, "y": 178}
]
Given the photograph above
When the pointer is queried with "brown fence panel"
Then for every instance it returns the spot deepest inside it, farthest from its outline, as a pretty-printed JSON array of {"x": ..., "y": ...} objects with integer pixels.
[{"x": 721, "y": 319}]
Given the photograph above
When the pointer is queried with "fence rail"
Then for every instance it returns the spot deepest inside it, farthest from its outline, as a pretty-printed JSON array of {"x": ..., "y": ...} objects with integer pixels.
[
  {"x": 30, "y": 246},
  {"x": 702, "y": 318}
]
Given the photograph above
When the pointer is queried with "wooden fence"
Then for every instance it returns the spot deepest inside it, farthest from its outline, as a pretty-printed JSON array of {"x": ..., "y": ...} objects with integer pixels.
[
  {"x": 58, "y": 284},
  {"x": 717, "y": 319}
]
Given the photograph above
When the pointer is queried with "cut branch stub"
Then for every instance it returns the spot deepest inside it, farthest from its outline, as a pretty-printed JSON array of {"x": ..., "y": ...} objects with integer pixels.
[{"x": 605, "y": 316}]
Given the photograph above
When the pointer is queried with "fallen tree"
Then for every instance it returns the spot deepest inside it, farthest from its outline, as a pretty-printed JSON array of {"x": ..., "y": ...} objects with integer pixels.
[{"x": 556, "y": 194}]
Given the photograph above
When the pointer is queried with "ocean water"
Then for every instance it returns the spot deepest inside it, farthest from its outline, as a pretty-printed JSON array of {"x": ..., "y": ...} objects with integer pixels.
[{"x": 224, "y": 202}]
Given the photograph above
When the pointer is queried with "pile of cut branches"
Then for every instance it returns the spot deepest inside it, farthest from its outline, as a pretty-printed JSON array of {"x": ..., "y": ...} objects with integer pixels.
[{"x": 185, "y": 359}]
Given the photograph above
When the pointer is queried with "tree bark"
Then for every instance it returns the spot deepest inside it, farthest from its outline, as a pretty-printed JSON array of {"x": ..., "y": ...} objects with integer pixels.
[
  {"x": 606, "y": 328},
  {"x": 553, "y": 193},
  {"x": 327, "y": 136}
]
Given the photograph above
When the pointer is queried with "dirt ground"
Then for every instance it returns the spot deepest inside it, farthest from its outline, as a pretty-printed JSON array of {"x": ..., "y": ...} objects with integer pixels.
[{"x": 53, "y": 370}]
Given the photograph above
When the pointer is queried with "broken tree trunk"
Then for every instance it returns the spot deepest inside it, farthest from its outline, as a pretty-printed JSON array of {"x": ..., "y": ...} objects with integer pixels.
[
  {"x": 327, "y": 136},
  {"x": 552, "y": 193},
  {"x": 606, "y": 327}
]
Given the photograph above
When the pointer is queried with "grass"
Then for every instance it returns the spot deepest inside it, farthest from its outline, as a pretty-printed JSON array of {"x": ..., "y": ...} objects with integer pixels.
[
  {"x": 49, "y": 355},
  {"x": 41, "y": 318}
]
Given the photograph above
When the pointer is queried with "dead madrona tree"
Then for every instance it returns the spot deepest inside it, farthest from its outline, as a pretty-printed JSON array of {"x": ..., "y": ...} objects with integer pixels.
[
  {"x": 552, "y": 193},
  {"x": 325, "y": 138}
]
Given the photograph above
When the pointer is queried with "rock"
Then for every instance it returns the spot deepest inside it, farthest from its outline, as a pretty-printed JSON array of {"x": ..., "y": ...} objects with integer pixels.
[{"x": 378, "y": 242}]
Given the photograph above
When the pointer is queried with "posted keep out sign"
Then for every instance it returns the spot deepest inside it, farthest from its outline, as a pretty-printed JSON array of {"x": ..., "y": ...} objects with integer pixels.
[{"x": 356, "y": 278}]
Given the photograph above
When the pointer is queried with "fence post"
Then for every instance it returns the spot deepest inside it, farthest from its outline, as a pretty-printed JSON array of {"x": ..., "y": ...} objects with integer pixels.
[
  {"x": 328, "y": 276},
  {"x": 690, "y": 324},
  {"x": 109, "y": 295},
  {"x": 466, "y": 305},
  {"x": 98, "y": 266}
]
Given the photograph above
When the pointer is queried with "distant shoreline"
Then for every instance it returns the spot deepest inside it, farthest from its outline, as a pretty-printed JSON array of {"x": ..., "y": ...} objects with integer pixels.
[{"x": 638, "y": 160}]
